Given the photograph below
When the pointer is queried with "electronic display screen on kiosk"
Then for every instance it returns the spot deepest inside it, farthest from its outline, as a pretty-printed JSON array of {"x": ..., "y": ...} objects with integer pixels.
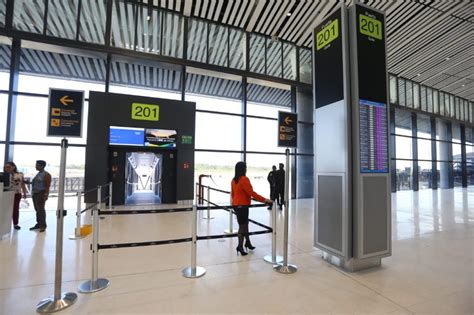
[{"x": 141, "y": 137}]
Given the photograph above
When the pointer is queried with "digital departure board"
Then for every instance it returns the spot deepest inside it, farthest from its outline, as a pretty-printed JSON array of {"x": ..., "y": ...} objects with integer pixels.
[{"x": 373, "y": 137}]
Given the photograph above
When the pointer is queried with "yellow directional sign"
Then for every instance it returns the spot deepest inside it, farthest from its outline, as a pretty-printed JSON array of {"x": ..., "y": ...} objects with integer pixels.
[{"x": 65, "y": 100}]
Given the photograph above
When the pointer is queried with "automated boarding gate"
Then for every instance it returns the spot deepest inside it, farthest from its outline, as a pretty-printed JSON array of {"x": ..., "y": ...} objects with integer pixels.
[
  {"x": 352, "y": 184},
  {"x": 142, "y": 177},
  {"x": 143, "y": 145}
]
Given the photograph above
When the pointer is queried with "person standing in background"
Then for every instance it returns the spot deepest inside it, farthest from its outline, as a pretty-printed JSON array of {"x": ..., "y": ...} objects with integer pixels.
[
  {"x": 271, "y": 181},
  {"x": 40, "y": 190},
  {"x": 17, "y": 184},
  {"x": 280, "y": 185}
]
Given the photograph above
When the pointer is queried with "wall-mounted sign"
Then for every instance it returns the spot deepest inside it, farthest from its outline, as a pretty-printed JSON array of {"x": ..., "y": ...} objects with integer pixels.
[
  {"x": 186, "y": 139},
  {"x": 65, "y": 113},
  {"x": 287, "y": 129},
  {"x": 145, "y": 112}
]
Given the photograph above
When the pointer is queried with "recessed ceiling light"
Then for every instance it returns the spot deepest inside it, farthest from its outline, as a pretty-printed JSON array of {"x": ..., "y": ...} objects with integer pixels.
[
  {"x": 418, "y": 74},
  {"x": 148, "y": 18},
  {"x": 288, "y": 14},
  {"x": 463, "y": 85},
  {"x": 447, "y": 58}
]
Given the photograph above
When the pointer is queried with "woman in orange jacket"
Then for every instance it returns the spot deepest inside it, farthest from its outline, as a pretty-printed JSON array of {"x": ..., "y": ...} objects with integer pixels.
[{"x": 241, "y": 193}]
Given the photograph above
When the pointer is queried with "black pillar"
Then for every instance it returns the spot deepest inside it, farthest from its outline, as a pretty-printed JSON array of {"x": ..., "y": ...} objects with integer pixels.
[
  {"x": 449, "y": 139},
  {"x": 393, "y": 151},
  {"x": 12, "y": 97},
  {"x": 434, "y": 155},
  {"x": 414, "y": 132},
  {"x": 244, "y": 118},
  {"x": 295, "y": 150},
  {"x": 108, "y": 71},
  {"x": 463, "y": 156}
]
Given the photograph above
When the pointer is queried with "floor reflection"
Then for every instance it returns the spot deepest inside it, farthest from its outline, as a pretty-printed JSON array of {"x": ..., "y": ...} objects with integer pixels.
[{"x": 416, "y": 214}]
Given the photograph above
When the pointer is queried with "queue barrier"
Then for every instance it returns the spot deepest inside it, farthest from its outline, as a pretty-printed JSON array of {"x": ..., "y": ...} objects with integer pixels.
[
  {"x": 193, "y": 271},
  {"x": 80, "y": 231}
]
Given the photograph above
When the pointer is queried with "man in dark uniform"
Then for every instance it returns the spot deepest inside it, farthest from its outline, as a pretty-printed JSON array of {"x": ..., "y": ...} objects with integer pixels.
[
  {"x": 271, "y": 181},
  {"x": 280, "y": 185}
]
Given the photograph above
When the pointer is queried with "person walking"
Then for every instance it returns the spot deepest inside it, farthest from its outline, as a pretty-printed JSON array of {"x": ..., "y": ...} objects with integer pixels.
[
  {"x": 280, "y": 185},
  {"x": 40, "y": 190},
  {"x": 17, "y": 184},
  {"x": 271, "y": 181},
  {"x": 241, "y": 194}
]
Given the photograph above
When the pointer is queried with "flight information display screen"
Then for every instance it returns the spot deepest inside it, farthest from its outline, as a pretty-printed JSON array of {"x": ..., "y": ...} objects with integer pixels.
[{"x": 373, "y": 137}]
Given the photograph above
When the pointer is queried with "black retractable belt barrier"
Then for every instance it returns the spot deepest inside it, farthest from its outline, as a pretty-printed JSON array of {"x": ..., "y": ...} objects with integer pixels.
[
  {"x": 125, "y": 212},
  {"x": 141, "y": 244},
  {"x": 88, "y": 208},
  {"x": 216, "y": 189}
]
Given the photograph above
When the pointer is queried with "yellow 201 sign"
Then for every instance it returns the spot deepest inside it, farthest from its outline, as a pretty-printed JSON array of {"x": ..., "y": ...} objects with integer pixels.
[
  {"x": 370, "y": 26},
  {"x": 329, "y": 33},
  {"x": 145, "y": 112}
]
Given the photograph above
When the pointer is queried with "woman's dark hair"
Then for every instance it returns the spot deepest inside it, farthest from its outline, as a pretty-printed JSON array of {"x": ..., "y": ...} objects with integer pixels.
[
  {"x": 13, "y": 165},
  {"x": 240, "y": 170}
]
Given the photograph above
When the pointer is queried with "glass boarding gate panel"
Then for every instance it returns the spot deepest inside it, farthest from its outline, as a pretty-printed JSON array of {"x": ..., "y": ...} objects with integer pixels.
[{"x": 143, "y": 178}]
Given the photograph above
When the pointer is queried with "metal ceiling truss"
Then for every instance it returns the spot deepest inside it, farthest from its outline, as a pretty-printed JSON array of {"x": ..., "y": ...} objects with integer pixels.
[{"x": 429, "y": 42}]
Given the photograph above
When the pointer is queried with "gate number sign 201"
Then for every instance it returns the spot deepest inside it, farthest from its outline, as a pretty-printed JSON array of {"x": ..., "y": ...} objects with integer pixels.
[
  {"x": 145, "y": 112},
  {"x": 327, "y": 34},
  {"x": 370, "y": 26}
]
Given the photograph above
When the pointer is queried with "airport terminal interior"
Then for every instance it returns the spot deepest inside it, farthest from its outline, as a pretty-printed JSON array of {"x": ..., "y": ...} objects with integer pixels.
[{"x": 172, "y": 94}]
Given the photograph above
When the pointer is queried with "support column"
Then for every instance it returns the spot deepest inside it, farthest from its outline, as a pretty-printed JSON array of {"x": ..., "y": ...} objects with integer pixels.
[
  {"x": 293, "y": 158},
  {"x": 434, "y": 155},
  {"x": 12, "y": 97},
  {"x": 414, "y": 132},
  {"x": 463, "y": 156},
  {"x": 244, "y": 118},
  {"x": 393, "y": 150}
]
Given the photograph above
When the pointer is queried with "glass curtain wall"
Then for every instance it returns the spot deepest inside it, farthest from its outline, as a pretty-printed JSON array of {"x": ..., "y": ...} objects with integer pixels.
[
  {"x": 404, "y": 150},
  {"x": 218, "y": 128},
  {"x": 264, "y": 102},
  {"x": 453, "y": 167},
  {"x": 40, "y": 69},
  {"x": 425, "y": 154}
]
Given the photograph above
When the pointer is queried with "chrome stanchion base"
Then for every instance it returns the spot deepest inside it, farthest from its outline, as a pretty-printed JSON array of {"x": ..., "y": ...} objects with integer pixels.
[
  {"x": 269, "y": 259},
  {"x": 90, "y": 287},
  {"x": 285, "y": 269},
  {"x": 197, "y": 272},
  {"x": 49, "y": 305},
  {"x": 230, "y": 232},
  {"x": 208, "y": 218}
]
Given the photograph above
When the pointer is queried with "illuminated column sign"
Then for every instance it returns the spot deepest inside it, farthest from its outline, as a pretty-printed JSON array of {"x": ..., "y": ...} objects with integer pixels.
[
  {"x": 328, "y": 71},
  {"x": 373, "y": 125}
]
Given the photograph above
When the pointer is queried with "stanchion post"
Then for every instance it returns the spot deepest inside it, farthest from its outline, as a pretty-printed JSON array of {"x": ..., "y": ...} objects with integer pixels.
[
  {"x": 95, "y": 284},
  {"x": 77, "y": 230},
  {"x": 110, "y": 195},
  {"x": 231, "y": 223},
  {"x": 60, "y": 300},
  {"x": 194, "y": 271},
  {"x": 208, "y": 215},
  {"x": 273, "y": 258},
  {"x": 285, "y": 267}
]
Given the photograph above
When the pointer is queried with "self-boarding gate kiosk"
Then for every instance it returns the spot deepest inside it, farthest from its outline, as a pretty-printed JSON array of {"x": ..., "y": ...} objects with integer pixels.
[{"x": 352, "y": 183}]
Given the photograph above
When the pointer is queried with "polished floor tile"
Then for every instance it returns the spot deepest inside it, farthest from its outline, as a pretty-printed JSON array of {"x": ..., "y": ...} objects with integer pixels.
[{"x": 431, "y": 270}]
